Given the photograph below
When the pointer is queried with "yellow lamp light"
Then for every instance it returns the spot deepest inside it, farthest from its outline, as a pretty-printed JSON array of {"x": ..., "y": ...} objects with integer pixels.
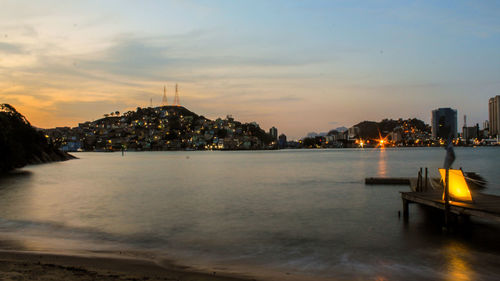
[{"x": 459, "y": 191}]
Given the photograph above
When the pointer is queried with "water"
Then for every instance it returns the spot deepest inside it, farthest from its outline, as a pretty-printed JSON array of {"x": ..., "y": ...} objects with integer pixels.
[{"x": 284, "y": 215}]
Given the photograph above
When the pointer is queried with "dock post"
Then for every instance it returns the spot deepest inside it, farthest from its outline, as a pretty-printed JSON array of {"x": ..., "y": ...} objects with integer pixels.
[
  {"x": 426, "y": 179},
  {"x": 419, "y": 180},
  {"x": 447, "y": 198},
  {"x": 405, "y": 210}
]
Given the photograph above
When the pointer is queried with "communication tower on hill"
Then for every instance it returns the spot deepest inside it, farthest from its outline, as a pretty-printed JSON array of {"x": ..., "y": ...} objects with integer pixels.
[
  {"x": 176, "y": 98},
  {"x": 164, "y": 101}
]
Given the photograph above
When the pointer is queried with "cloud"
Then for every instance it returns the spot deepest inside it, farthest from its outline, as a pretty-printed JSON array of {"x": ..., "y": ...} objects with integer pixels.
[
  {"x": 131, "y": 69},
  {"x": 24, "y": 30},
  {"x": 271, "y": 99},
  {"x": 138, "y": 61},
  {"x": 130, "y": 65},
  {"x": 180, "y": 58},
  {"x": 9, "y": 48}
]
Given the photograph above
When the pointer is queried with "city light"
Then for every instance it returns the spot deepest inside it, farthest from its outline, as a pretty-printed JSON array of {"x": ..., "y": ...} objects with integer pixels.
[{"x": 382, "y": 141}]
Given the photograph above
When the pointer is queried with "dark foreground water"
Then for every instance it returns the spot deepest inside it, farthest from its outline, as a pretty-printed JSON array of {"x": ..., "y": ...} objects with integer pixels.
[{"x": 284, "y": 214}]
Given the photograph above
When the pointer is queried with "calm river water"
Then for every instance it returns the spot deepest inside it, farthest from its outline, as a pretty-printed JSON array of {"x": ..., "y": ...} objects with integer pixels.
[{"x": 285, "y": 215}]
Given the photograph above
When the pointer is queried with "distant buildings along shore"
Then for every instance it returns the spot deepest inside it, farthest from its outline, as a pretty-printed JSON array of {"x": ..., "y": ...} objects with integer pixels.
[{"x": 173, "y": 127}]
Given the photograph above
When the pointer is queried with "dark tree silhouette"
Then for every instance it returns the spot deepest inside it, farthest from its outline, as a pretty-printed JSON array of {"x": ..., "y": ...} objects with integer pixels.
[{"x": 21, "y": 144}]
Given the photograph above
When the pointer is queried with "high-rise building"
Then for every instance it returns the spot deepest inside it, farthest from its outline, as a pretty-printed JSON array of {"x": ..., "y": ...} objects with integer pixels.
[
  {"x": 486, "y": 125},
  {"x": 274, "y": 133},
  {"x": 444, "y": 123},
  {"x": 469, "y": 133},
  {"x": 494, "y": 114},
  {"x": 353, "y": 132},
  {"x": 282, "y": 141}
]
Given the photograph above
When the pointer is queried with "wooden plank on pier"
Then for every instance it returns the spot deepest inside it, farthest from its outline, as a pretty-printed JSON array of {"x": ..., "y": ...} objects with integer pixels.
[{"x": 484, "y": 205}]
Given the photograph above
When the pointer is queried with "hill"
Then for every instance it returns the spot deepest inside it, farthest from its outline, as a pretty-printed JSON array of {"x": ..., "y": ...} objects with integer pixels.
[
  {"x": 21, "y": 144},
  {"x": 161, "y": 128}
]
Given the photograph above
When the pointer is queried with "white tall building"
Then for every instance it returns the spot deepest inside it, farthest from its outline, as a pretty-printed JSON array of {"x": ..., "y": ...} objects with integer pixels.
[{"x": 494, "y": 114}]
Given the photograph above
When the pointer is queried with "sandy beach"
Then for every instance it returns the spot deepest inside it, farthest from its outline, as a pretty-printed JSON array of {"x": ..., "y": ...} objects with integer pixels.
[{"x": 24, "y": 265}]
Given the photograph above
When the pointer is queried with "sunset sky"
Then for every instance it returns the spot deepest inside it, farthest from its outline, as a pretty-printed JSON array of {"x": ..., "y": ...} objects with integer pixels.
[{"x": 301, "y": 66}]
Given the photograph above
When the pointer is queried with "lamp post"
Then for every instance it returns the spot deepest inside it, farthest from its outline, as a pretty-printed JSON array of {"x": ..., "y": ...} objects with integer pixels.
[
  {"x": 447, "y": 198},
  {"x": 448, "y": 161}
]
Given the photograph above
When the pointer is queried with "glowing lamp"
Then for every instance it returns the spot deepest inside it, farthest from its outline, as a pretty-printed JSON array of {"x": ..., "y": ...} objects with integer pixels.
[{"x": 458, "y": 189}]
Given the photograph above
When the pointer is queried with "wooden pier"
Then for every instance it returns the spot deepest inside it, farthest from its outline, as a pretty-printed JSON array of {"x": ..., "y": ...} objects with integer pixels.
[
  {"x": 428, "y": 191},
  {"x": 396, "y": 181},
  {"x": 419, "y": 183},
  {"x": 485, "y": 206},
  {"x": 414, "y": 183}
]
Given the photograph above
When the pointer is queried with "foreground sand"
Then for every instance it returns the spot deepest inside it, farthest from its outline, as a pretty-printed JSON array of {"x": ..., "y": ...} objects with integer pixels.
[{"x": 20, "y": 265}]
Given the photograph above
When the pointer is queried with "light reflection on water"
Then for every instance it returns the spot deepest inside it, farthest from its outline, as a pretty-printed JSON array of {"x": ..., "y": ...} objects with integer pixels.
[
  {"x": 458, "y": 267},
  {"x": 382, "y": 163},
  {"x": 306, "y": 212}
]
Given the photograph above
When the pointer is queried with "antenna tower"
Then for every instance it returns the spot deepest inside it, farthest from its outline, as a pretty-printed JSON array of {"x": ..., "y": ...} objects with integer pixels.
[
  {"x": 151, "y": 102},
  {"x": 164, "y": 101},
  {"x": 176, "y": 98}
]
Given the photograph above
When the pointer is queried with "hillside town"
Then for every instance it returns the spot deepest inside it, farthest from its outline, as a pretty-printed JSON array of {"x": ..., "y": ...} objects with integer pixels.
[{"x": 160, "y": 128}]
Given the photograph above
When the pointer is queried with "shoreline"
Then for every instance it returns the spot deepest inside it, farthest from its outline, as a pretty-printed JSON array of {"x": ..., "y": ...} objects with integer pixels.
[
  {"x": 34, "y": 265},
  {"x": 281, "y": 149}
]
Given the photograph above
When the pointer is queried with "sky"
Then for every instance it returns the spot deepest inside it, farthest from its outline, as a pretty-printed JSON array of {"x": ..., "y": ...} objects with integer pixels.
[{"x": 301, "y": 66}]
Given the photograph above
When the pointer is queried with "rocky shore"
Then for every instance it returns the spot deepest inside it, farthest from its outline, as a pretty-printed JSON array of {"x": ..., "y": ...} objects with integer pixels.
[{"x": 50, "y": 156}]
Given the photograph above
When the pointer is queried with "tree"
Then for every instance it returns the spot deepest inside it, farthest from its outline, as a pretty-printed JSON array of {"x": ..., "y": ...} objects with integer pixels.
[{"x": 309, "y": 142}]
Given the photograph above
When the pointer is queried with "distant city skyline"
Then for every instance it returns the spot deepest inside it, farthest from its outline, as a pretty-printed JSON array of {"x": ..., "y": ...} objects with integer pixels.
[{"x": 298, "y": 66}]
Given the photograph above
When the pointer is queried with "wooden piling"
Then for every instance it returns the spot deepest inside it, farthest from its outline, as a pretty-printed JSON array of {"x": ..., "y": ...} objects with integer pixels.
[
  {"x": 405, "y": 210},
  {"x": 447, "y": 199},
  {"x": 419, "y": 181},
  {"x": 417, "y": 189},
  {"x": 426, "y": 180}
]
